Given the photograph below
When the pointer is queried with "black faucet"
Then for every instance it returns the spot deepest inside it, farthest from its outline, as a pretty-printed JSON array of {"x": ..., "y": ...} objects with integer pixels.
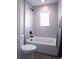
[{"x": 31, "y": 39}]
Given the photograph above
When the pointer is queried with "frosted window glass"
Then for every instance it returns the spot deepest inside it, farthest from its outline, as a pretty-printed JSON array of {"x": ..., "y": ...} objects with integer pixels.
[{"x": 44, "y": 19}]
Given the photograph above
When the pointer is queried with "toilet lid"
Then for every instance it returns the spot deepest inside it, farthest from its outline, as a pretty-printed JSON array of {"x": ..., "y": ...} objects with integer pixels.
[{"x": 28, "y": 47}]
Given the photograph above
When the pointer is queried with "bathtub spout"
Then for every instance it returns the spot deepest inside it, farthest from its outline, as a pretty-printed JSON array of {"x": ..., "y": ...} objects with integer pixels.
[{"x": 31, "y": 39}]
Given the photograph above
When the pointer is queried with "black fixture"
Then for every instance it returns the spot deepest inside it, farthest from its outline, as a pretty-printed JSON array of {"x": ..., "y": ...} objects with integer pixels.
[
  {"x": 31, "y": 9},
  {"x": 30, "y": 32},
  {"x": 31, "y": 35},
  {"x": 31, "y": 39}
]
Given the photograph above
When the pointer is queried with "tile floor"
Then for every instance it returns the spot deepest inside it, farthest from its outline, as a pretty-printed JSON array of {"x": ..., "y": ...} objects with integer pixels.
[
  {"x": 38, "y": 56},
  {"x": 44, "y": 56}
]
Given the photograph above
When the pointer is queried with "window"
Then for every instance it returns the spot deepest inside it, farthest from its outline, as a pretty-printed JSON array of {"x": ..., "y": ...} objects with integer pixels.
[
  {"x": 44, "y": 19},
  {"x": 28, "y": 20}
]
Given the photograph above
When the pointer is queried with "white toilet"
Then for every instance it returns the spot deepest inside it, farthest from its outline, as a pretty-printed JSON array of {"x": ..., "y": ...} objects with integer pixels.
[{"x": 27, "y": 49}]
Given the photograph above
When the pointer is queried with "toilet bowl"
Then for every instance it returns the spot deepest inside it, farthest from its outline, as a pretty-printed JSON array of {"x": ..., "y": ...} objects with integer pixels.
[{"x": 28, "y": 48}]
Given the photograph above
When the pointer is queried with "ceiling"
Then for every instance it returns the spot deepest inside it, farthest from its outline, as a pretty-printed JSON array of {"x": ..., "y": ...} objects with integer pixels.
[{"x": 38, "y": 2}]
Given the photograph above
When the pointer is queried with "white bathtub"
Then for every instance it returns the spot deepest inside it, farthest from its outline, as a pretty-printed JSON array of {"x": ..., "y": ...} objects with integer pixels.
[{"x": 44, "y": 45}]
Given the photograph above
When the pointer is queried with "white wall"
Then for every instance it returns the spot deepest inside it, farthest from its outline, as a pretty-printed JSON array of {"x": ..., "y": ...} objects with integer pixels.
[
  {"x": 28, "y": 19},
  {"x": 44, "y": 31},
  {"x": 20, "y": 25},
  {"x": 20, "y": 16}
]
